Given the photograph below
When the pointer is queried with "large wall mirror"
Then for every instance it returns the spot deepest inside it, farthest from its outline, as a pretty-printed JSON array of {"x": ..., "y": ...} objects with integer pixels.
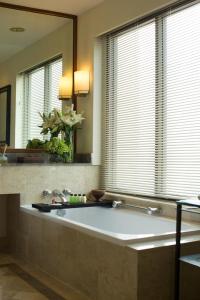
[{"x": 37, "y": 48}]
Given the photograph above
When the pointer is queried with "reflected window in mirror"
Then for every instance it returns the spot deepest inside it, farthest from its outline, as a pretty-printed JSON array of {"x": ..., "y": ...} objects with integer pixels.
[{"x": 41, "y": 88}]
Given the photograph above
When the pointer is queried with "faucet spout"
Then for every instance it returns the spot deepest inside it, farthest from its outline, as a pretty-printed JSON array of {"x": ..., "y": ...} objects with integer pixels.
[{"x": 59, "y": 194}]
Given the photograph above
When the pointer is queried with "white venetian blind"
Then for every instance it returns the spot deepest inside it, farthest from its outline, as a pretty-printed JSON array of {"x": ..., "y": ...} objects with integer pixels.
[
  {"x": 152, "y": 106},
  {"x": 129, "y": 153},
  {"x": 182, "y": 98},
  {"x": 55, "y": 73},
  {"x": 40, "y": 95},
  {"x": 36, "y": 102}
]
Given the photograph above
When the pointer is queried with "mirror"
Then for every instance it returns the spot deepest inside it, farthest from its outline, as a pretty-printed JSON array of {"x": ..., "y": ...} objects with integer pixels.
[
  {"x": 31, "y": 41},
  {"x": 5, "y": 101}
]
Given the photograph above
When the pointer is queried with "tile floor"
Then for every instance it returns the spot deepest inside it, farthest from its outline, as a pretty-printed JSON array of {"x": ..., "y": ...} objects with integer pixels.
[{"x": 18, "y": 281}]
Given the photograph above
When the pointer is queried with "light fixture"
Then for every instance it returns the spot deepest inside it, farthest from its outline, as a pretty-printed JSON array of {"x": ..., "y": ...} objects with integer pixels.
[
  {"x": 81, "y": 82},
  {"x": 17, "y": 29},
  {"x": 65, "y": 88}
]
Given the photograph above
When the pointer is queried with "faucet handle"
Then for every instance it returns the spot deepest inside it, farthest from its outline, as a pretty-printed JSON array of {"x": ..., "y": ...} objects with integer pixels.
[
  {"x": 116, "y": 204},
  {"x": 66, "y": 192},
  {"x": 46, "y": 193}
]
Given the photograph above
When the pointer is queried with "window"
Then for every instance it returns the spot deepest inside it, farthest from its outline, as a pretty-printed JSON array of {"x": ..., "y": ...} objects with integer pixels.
[
  {"x": 152, "y": 106},
  {"x": 40, "y": 95}
]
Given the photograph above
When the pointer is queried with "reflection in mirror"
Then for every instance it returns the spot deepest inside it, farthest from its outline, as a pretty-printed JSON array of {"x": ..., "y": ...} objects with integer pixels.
[
  {"x": 35, "y": 51},
  {"x": 5, "y": 101}
]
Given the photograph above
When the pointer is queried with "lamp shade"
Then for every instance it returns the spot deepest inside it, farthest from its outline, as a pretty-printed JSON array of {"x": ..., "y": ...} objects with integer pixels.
[
  {"x": 81, "y": 82},
  {"x": 65, "y": 88}
]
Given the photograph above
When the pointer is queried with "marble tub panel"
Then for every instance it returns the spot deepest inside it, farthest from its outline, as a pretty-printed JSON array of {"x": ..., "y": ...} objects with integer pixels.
[
  {"x": 117, "y": 277},
  {"x": 156, "y": 274},
  {"x": 90, "y": 265}
]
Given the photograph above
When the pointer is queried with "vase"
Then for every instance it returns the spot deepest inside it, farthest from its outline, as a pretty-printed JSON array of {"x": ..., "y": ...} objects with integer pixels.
[
  {"x": 69, "y": 140},
  {"x": 54, "y": 134},
  {"x": 55, "y": 158}
]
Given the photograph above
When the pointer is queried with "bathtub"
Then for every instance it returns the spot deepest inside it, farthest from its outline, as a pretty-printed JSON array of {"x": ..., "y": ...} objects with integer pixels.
[{"x": 118, "y": 225}]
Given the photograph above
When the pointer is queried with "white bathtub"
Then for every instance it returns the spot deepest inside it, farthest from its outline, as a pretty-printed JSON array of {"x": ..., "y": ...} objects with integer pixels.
[{"x": 120, "y": 225}]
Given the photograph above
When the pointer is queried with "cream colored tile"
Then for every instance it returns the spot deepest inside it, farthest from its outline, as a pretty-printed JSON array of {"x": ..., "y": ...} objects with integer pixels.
[{"x": 111, "y": 288}]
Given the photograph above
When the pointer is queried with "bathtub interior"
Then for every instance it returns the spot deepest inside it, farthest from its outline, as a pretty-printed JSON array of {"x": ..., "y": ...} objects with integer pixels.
[
  {"x": 120, "y": 223},
  {"x": 121, "y": 220}
]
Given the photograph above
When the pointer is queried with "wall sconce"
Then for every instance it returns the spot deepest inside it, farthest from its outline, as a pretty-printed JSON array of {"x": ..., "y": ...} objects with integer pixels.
[
  {"x": 65, "y": 88},
  {"x": 81, "y": 83}
]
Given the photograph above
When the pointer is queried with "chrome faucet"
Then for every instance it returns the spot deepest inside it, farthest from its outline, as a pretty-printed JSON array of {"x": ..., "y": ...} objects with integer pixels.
[
  {"x": 59, "y": 194},
  {"x": 66, "y": 192},
  {"x": 56, "y": 193},
  {"x": 149, "y": 210}
]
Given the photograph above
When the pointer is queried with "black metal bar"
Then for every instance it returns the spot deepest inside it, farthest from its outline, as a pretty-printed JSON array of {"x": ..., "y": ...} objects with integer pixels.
[
  {"x": 177, "y": 252},
  {"x": 75, "y": 49}
]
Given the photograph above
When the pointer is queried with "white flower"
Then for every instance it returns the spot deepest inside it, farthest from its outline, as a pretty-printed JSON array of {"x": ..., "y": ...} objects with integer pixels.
[
  {"x": 57, "y": 120},
  {"x": 70, "y": 117}
]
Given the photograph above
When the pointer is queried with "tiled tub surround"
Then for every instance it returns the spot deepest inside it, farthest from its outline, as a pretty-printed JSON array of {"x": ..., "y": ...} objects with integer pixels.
[
  {"x": 30, "y": 180},
  {"x": 99, "y": 268}
]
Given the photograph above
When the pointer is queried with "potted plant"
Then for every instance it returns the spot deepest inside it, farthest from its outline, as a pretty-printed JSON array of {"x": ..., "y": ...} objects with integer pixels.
[{"x": 64, "y": 123}]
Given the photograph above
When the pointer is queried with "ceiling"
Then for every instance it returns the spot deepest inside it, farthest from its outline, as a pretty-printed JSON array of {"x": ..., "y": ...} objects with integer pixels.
[
  {"x": 75, "y": 7},
  {"x": 37, "y": 26}
]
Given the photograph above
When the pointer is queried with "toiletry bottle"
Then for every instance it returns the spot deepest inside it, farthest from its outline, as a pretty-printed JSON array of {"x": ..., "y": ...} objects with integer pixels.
[
  {"x": 71, "y": 198},
  {"x": 79, "y": 198},
  {"x": 75, "y": 198},
  {"x": 84, "y": 198}
]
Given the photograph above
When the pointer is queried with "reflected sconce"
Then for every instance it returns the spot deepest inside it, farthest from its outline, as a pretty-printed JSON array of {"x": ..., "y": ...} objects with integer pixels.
[
  {"x": 65, "y": 88},
  {"x": 81, "y": 83}
]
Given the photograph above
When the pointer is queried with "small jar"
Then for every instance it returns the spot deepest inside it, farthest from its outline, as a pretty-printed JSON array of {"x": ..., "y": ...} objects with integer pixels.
[
  {"x": 3, "y": 159},
  {"x": 84, "y": 198}
]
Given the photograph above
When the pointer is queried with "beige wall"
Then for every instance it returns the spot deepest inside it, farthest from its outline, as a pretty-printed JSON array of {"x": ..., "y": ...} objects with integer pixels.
[
  {"x": 108, "y": 15},
  {"x": 58, "y": 42},
  {"x": 29, "y": 180}
]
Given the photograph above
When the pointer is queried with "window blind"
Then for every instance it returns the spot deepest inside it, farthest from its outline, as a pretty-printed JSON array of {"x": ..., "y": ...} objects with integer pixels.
[
  {"x": 151, "y": 140},
  {"x": 55, "y": 73},
  {"x": 36, "y": 101},
  {"x": 40, "y": 95}
]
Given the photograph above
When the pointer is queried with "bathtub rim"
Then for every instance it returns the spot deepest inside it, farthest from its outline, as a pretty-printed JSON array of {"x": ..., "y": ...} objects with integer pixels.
[{"x": 120, "y": 239}]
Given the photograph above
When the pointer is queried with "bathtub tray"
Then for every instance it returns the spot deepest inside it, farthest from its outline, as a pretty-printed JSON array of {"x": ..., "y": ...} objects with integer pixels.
[{"x": 48, "y": 207}]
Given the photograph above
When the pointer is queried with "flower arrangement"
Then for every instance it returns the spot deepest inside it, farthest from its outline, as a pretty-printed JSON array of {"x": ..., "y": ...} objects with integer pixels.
[
  {"x": 55, "y": 123},
  {"x": 59, "y": 121},
  {"x": 63, "y": 122}
]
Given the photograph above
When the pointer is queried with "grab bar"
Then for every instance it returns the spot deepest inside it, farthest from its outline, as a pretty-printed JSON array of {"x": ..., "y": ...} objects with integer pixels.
[{"x": 150, "y": 210}]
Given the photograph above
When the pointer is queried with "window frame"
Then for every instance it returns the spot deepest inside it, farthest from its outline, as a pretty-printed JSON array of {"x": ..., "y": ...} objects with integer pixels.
[{"x": 160, "y": 18}]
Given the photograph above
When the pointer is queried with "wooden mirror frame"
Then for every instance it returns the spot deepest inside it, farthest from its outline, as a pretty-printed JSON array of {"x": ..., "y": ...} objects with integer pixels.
[{"x": 7, "y": 89}]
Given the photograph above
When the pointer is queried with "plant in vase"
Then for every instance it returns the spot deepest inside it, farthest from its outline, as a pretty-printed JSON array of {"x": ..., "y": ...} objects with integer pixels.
[
  {"x": 58, "y": 149},
  {"x": 63, "y": 122},
  {"x": 70, "y": 119}
]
